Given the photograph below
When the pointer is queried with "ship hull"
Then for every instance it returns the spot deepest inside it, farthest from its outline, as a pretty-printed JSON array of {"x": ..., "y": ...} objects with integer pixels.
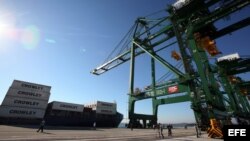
[{"x": 85, "y": 120}]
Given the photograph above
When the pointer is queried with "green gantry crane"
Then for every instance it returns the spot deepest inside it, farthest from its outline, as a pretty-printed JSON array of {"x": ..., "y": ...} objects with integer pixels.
[{"x": 216, "y": 94}]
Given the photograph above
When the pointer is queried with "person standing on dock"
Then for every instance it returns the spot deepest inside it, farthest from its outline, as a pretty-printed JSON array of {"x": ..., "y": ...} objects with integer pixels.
[
  {"x": 154, "y": 126},
  {"x": 131, "y": 126},
  {"x": 169, "y": 129},
  {"x": 198, "y": 130},
  {"x": 42, "y": 124},
  {"x": 94, "y": 125},
  {"x": 161, "y": 131}
]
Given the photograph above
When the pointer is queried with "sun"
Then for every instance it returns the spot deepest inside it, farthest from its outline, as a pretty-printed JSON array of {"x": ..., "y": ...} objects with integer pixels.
[
  {"x": 7, "y": 26},
  {"x": 28, "y": 36}
]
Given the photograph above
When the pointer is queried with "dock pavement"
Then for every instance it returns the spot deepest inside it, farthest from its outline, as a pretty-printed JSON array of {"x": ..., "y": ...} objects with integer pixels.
[{"x": 24, "y": 133}]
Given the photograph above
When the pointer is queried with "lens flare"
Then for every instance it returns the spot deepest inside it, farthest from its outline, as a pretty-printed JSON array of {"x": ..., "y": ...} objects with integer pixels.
[
  {"x": 30, "y": 37},
  {"x": 51, "y": 41},
  {"x": 10, "y": 32}
]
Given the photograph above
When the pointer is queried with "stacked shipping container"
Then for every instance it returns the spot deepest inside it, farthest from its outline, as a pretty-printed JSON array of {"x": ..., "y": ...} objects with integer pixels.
[{"x": 25, "y": 100}]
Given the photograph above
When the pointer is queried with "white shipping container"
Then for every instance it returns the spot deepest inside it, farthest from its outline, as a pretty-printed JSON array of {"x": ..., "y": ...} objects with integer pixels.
[
  {"x": 67, "y": 106},
  {"x": 28, "y": 94},
  {"x": 105, "y": 107},
  {"x": 101, "y": 104},
  {"x": 105, "y": 111},
  {"x": 30, "y": 86},
  {"x": 6, "y": 111},
  {"x": 229, "y": 57},
  {"x": 180, "y": 3},
  {"x": 24, "y": 102}
]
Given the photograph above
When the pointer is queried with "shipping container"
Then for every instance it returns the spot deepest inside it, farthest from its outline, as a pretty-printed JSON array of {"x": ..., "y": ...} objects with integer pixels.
[
  {"x": 105, "y": 111},
  {"x": 18, "y": 112},
  {"x": 105, "y": 108},
  {"x": 24, "y": 102},
  {"x": 87, "y": 109},
  {"x": 106, "y": 104},
  {"x": 67, "y": 106},
  {"x": 31, "y": 94},
  {"x": 229, "y": 57},
  {"x": 181, "y": 3},
  {"x": 30, "y": 86}
]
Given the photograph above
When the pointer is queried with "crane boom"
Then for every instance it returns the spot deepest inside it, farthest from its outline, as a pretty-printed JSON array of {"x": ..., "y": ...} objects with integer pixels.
[{"x": 165, "y": 32}]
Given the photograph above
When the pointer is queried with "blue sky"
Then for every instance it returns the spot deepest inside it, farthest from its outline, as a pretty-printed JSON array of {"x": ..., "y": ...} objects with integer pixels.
[{"x": 58, "y": 43}]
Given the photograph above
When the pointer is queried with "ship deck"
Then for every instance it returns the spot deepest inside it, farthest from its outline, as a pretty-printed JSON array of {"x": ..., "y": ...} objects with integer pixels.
[{"x": 13, "y": 133}]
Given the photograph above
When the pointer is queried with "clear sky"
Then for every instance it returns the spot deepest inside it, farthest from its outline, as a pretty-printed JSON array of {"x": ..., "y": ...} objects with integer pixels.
[{"x": 58, "y": 43}]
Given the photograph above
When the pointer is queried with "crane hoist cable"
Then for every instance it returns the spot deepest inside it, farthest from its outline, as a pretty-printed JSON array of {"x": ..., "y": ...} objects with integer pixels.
[
  {"x": 156, "y": 12},
  {"x": 124, "y": 40},
  {"x": 179, "y": 66}
]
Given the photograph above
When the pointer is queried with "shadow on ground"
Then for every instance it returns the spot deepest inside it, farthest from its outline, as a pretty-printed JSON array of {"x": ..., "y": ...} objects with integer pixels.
[{"x": 57, "y": 127}]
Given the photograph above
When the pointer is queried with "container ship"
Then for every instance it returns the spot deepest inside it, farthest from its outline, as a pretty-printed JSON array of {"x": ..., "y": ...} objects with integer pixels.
[
  {"x": 103, "y": 114},
  {"x": 27, "y": 104}
]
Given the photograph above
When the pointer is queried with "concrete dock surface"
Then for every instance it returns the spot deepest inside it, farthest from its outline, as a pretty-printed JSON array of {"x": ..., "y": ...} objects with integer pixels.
[{"x": 24, "y": 133}]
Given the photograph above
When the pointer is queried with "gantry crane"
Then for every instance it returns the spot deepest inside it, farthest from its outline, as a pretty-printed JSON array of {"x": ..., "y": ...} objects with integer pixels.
[{"x": 216, "y": 94}]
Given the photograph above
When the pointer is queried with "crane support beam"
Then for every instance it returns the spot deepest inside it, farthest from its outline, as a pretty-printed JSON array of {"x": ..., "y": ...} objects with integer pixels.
[
  {"x": 122, "y": 58},
  {"x": 220, "y": 13},
  {"x": 111, "y": 64},
  {"x": 125, "y": 56},
  {"x": 143, "y": 116},
  {"x": 244, "y": 84},
  {"x": 211, "y": 2},
  {"x": 172, "y": 100},
  {"x": 236, "y": 66},
  {"x": 161, "y": 60},
  {"x": 168, "y": 30},
  {"x": 173, "y": 89},
  {"x": 232, "y": 28},
  {"x": 239, "y": 70},
  {"x": 164, "y": 19}
]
